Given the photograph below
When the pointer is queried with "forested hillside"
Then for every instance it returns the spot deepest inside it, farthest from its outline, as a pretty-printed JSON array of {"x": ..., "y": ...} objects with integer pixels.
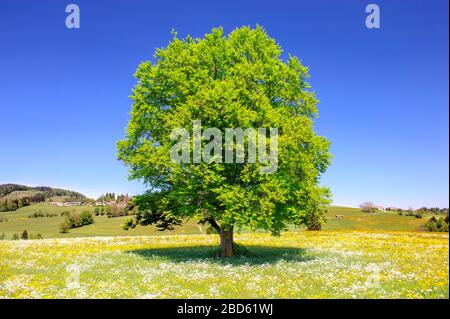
[{"x": 14, "y": 196}]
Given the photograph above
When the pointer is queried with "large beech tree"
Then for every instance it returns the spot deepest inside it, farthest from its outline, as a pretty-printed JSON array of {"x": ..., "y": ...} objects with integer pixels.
[{"x": 237, "y": 80}]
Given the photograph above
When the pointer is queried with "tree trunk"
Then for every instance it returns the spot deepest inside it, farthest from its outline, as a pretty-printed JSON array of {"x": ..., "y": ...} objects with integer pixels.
[{"x": 226, "y": 243}]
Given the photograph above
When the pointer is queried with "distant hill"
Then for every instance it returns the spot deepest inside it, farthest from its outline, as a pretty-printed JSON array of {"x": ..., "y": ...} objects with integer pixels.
[{"x": 14, "y": 196}]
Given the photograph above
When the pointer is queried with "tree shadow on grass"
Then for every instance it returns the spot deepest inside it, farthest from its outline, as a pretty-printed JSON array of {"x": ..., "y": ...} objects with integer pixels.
[{"x": 253, "y": 255}]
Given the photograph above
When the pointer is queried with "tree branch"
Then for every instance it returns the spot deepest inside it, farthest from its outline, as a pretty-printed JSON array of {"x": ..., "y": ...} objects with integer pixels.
[{"x": 213, "y": 223}]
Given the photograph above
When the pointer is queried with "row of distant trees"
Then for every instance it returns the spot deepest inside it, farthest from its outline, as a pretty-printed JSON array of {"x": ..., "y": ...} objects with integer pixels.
[
  {"x": 6, "y": 189},
  {"x": 371, "y": 207},
  {"x": 24, "y": 235},
  {"x": 115, "y": 210},
  {"x": 111, "y": 197},
  {"x": 108, "y": 197},
  {"x": 433, "y": 210}
]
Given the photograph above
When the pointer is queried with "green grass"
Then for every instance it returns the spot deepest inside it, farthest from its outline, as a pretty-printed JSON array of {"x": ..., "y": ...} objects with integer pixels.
[
  {"x": 339, "y": 262},
  {"x": 355, "y": 219},
  {"x": 322, "y": 264},
  {"x": 16, "y": 222}
]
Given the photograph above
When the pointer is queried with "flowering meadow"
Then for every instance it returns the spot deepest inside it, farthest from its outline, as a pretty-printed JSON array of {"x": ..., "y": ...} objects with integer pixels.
[{"x": 325, "y": 264}]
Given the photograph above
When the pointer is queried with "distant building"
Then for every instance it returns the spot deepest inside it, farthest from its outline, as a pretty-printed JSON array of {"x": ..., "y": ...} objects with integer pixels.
[
  {"x": 380, "y": 208},
  {"x": 56, "y": 203},
  {"x": 73, "y": 204},
  {"x": 66, "y": 203},
  {"x": 104, "y": 203}
]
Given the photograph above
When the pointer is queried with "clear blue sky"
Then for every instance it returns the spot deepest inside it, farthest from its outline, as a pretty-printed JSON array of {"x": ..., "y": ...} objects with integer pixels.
[{"x": 384, "y": 92}]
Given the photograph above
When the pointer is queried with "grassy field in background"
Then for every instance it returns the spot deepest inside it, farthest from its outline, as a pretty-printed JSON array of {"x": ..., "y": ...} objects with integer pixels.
[
  {"x": 355, "y": 219},
  {"x": 323, "y": 264},
  {"x": 16, "y": 222}
]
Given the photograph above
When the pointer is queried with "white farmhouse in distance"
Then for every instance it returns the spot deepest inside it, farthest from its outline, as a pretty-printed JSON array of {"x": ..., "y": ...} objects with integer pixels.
[
  {"x": 104, "y": 203},
  {"x": 66, "y": 203}
]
